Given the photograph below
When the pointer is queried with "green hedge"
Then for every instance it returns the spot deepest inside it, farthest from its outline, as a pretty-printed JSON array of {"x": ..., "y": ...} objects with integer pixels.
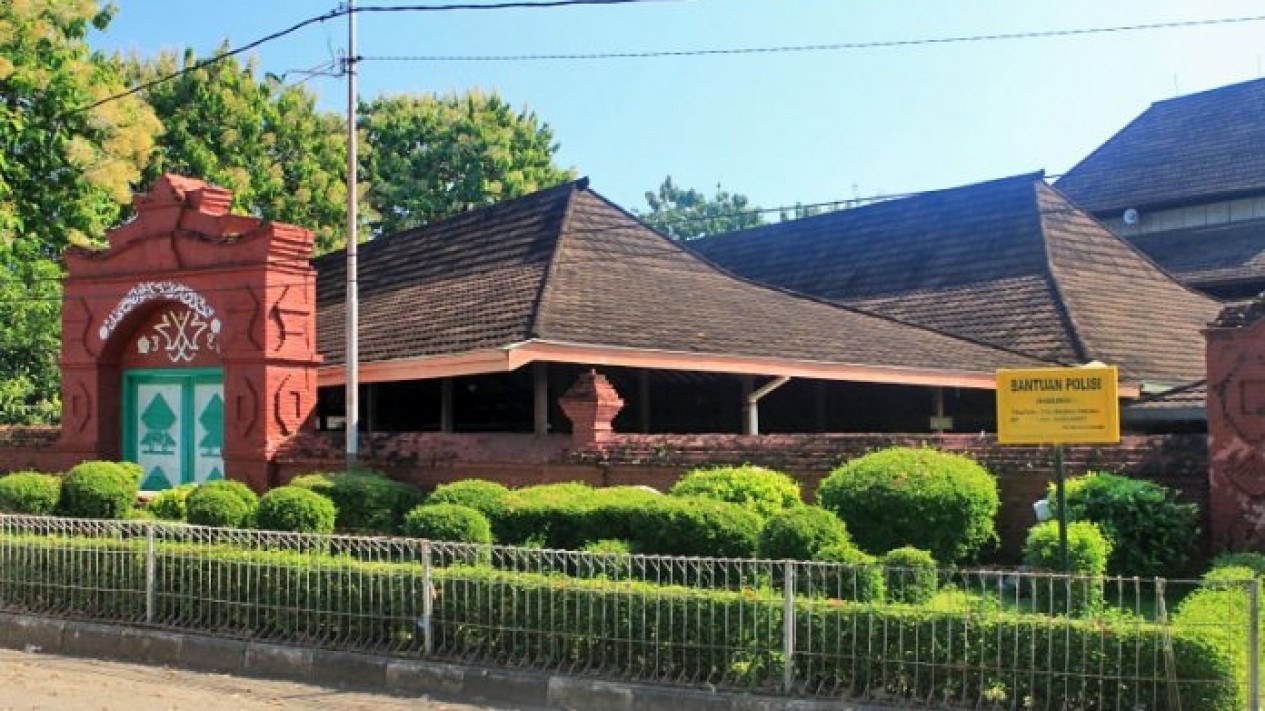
[
  {"x": 448, "y": 522},
  {"x": 730, "y": 638},
  {"x": 171, "y": 504},
  {"x": 798, "y": 533},
  {"x": 366, "y": 501},
  {"x": 222, "y": 502},
  {"x": 761, "y": 490},
  {"x": 29, "y": 493},
  {"x": 910, "y": 575},
  {"x": 1152, "y": 533},
  {"x": 486, "y": 497},
  {"x": 98, "y": 489},
  {"x": 570, "y": 515},
  {"x": 938, "y": 501},
  {"x": 1218, "y": 611},
  {"x": 292, "y": 508}
]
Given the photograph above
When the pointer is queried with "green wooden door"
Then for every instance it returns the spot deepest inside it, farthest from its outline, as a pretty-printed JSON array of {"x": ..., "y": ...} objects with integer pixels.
[{"x": 173, "y": 425}]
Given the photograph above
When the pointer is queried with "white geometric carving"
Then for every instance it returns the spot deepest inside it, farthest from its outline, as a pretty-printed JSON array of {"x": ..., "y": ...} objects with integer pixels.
[
  {"x": 149, "y": 291},
  {"x": 180, "y": 334}
]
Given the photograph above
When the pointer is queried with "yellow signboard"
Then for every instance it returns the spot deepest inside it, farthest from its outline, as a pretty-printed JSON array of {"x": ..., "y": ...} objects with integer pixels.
[{"x": 1058, "y": 406}]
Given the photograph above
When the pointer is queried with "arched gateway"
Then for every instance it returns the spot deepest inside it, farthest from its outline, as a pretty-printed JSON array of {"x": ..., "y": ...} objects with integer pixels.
[{"x": 188, "y": 345}]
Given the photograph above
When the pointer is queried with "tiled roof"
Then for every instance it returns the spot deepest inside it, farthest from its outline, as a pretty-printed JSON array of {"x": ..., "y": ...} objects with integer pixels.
[
  {"x": 1008, "y": 262},
  {"x": 467, "y": 283},
  {"x": 1191, "y": 397},
  {"x": 1193, "y": 148},
  {"x": 1210, "y": 256},
  {"x": 566, "y": 265}
]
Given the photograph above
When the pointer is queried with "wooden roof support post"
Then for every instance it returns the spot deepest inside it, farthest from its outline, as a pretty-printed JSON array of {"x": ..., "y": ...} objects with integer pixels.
[
  {"x": 540, "y": 398},
  {"x": 445, "y": 405},
  {"x": 643, "y": 400},
  {"x": 753, "y": 402}
]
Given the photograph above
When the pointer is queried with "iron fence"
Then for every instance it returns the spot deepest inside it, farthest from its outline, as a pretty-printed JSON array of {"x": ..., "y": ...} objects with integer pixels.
[{"x": 952, "y": 638}]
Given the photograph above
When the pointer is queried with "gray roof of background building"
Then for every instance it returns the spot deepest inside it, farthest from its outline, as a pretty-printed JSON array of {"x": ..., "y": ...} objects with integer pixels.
[
  {"x": 1189, "y": 149},
  {"x": 1009, "y": 262}
]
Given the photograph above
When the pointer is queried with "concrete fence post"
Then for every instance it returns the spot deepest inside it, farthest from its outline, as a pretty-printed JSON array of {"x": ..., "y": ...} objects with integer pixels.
[
  {"x": 149, "y": 574},
  {"x": 428, "y": 602},
  {"x": 788, "y": 626},
  {"x": 1254, "y": 644}
]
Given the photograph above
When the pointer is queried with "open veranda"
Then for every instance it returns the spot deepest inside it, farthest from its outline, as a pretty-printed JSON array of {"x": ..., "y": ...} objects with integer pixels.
[{"x": 958, "y": 638}]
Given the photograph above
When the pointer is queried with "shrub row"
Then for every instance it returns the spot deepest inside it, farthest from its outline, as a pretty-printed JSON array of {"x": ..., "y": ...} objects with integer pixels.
[
  {"x": 1219, "y": 610},
  {"x": 570, "y": 515},
  {"x": 628, "y": 628},
  {"x": 365, "y": 501}
]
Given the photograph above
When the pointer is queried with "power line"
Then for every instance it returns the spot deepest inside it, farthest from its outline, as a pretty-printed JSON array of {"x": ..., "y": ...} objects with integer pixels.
[
  {"x": 825, "y": 47},
  {"x": 499, "y": 6},
  {"x": 213, "y": 60},
  {"x": 340, "y": 12}
]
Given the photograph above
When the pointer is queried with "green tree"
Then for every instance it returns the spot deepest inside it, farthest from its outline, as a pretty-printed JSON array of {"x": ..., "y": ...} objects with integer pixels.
[
  {"x": 65, "y": 172},
  {"x": 428, "y": 157},
  {"x": 686, "y": 214},
  {"x": 283, "y": 159}
]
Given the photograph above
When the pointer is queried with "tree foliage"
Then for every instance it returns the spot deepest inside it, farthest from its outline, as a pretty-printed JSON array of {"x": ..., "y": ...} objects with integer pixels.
[
  {"x": 686, "y": 214},
  {"x": 283, "y": 159},
  {"x": 429, "y": 157},
  {"x": 65, "y": 173}
]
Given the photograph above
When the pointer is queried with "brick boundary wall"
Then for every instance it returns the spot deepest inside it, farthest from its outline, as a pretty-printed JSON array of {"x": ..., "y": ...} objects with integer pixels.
[{"x": 426, "y": 458}]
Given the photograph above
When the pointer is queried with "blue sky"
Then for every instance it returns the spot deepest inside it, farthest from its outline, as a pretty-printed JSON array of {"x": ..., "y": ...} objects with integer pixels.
[{"x": 780, "y": 127}]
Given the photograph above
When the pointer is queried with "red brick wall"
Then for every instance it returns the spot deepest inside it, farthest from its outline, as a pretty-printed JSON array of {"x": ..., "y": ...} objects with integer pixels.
[
  {"x": 428, "y": 459},
  {"x": 1177, "y": 461}
]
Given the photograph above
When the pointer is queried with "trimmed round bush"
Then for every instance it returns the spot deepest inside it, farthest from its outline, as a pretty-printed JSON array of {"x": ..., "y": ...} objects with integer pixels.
[
  {"x": 547, "y": 515},
  {"x": 30, "y": 493},
  {"x": 1088, "y": 550},
  {"x": 293, "y": 508},
  {"x": 1241, "y": 559},
  {"x": 611, "y": 559},
  {"x": 170, "y": 504},
  {"x": 98, "y": 489},
  {"x": 911, "y": 575},
  {"x": 448, "y": 522},
  {"x": 1152, "y": 533},
  {"x": 800, "y": 532},
  {"x": 859, "y": 577},
  {"x": 365, "y": 501},
  {"x": 486, "y": 497},
  {"x": 223, "y": 503},
  {"x": 764, "y": 491},
  {"x": 943, "y": 503},
  {"x": 695, "y": 526}
]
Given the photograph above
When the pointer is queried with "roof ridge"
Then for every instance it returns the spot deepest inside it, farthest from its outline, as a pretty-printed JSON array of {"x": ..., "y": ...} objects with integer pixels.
[
  {"x": 1061, "y": 305},
  {"x": 380, "y": 242},
  {"x": 1236, "y": 86},
  {"x": 1128, "y": 244},
  {"x": 555, "y": 259},
  {"x": 827, "y": 217}
]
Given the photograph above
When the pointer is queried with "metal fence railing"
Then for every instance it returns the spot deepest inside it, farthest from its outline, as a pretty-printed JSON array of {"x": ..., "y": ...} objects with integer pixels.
[{"x": 955, "y": 638}]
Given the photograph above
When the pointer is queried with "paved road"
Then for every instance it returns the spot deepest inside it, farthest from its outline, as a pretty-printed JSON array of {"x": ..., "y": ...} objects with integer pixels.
[{"x": 52, "y": 683}]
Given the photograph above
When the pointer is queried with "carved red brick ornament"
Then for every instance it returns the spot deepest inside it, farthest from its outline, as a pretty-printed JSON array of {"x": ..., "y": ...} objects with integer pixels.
[{"x": 182, "y": 288}]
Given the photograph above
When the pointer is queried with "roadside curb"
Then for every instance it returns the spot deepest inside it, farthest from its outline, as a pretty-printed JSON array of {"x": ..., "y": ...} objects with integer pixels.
[{"x": 370, "y": 672}]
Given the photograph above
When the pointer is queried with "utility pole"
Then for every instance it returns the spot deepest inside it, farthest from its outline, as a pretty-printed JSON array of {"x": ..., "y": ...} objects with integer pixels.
[{"x": 351, "y": 365}]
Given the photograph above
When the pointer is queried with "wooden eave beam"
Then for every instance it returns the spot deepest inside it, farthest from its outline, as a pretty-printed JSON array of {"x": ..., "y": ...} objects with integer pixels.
[{"x": 515, "y": 356}]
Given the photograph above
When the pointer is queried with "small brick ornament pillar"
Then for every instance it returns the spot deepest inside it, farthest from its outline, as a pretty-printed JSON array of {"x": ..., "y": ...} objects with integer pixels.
[
  {"x": 1236, "y": 427},
  {"x": 591, "y": 403}
]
